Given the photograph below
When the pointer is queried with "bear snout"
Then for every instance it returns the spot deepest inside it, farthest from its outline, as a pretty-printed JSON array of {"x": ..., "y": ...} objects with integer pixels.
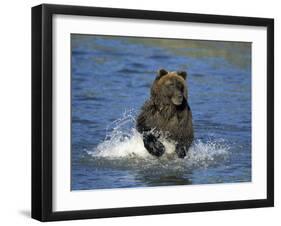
[{"x": 177, "y": 99}]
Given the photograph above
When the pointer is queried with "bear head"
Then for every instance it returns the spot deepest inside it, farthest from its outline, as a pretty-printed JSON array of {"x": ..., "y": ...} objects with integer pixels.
[{"x": 169, "y": 88}]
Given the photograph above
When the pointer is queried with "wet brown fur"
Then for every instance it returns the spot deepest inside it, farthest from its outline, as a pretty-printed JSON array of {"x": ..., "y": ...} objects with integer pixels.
[{"x": 161, "y": 115}]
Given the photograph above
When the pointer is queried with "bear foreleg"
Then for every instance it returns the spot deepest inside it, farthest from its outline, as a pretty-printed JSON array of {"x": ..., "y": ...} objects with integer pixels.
[
  {"x": 181, "y": 150},
  {"x": 153, "y": 145}
]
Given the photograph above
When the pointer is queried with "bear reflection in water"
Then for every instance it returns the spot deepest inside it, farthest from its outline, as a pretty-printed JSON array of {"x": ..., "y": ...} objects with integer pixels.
[{"x": 167, "y": 115}]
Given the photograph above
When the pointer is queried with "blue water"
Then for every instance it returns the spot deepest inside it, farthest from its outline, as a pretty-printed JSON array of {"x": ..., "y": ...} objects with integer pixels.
[{"x": 111, "y": 78}]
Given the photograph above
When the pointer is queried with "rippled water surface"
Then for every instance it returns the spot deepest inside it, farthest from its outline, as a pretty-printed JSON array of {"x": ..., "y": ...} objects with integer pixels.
[{"x": 111, "y": 78}]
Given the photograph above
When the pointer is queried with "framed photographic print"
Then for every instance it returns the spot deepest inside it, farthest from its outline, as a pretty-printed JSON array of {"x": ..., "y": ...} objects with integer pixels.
[{"x": 145, "y": 112}]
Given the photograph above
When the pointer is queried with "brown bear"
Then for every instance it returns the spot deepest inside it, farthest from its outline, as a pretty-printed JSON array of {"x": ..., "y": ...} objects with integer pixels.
[{"x": 167, "y": 114}]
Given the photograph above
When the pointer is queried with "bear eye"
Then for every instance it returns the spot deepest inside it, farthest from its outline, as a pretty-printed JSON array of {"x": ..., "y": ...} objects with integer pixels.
[{"x": 180, "y": 87}]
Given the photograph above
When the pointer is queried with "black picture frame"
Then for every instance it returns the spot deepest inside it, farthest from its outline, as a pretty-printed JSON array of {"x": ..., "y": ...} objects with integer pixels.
[{"x": 42, "y": 107}]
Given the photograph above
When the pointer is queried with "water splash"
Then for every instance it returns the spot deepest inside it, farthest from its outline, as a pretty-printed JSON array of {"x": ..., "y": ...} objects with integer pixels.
[{"x": 123, "y": 148}]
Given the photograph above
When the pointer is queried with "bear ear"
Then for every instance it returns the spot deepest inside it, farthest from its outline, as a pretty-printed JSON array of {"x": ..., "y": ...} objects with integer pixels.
[
  {"x": 183, "y": 74},
  {"x": 161, "y": 72}
]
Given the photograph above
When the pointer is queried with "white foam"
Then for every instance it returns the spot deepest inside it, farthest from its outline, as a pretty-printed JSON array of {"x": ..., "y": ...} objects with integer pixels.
[
  {"x": 204, "y": 154},
  {"x": 124, "y": 142},
  {"x": 122, "y": 146}
]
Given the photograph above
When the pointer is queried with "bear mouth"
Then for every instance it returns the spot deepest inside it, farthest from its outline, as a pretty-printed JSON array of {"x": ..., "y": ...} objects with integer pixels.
[{"x": 177, "y": 100}]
